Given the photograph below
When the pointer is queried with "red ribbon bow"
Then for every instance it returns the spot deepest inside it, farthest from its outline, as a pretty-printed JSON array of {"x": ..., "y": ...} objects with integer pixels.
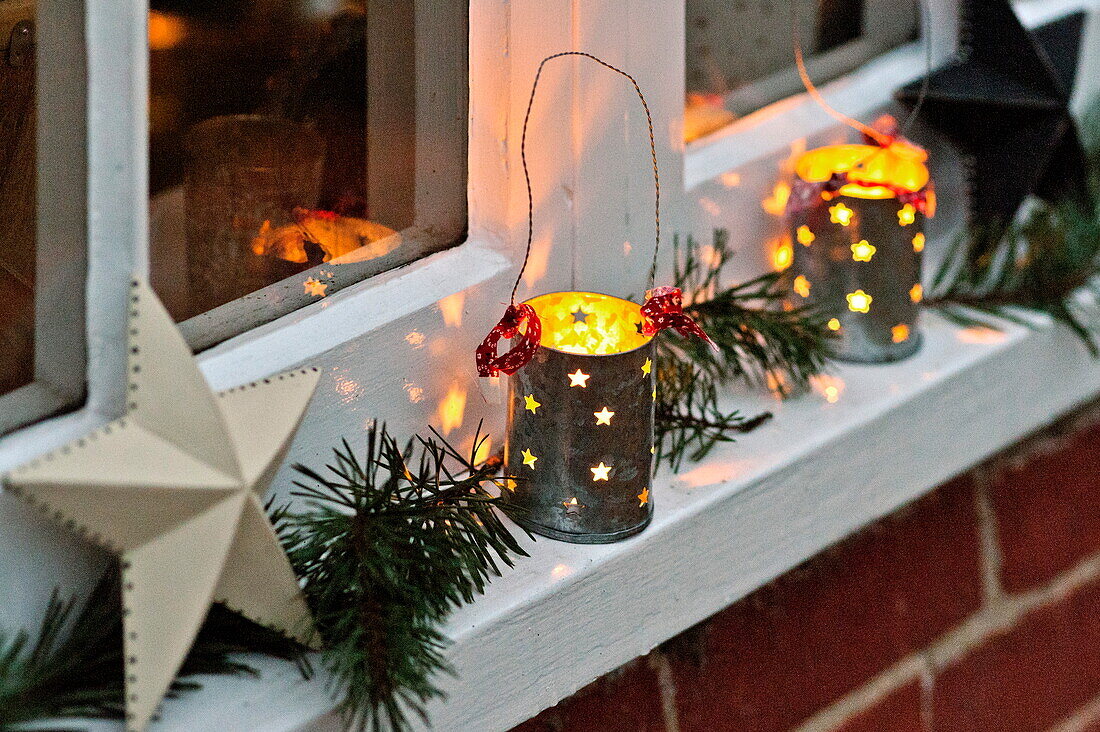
[
  {"x": 489, "y": 363},
  {"x": 664, "y": 308}
]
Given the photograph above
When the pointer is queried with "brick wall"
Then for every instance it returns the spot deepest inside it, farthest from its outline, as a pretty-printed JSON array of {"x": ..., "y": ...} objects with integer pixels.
[{"x": 976, "y": 608}]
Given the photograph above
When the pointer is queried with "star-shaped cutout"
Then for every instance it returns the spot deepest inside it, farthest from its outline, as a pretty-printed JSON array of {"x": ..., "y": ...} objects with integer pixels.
[
  {"x": 529, "y": 459},
  {"x": 572, "y": 507},
  {"x": 907, "y": 215},
  {"x": 647, "y": 367},
  {"x": 604, "y": 416},
  {"x": 530, "y": 403},
  {"x": 862, "y": 251},
  {"x": 859, "y": 301},
  {"x": 1005, "y": 105},
  {"x": 579, "y": 378},
  {"x": 643, "y": 497},
  {"x": 918, "y": 242},
  {"x": 314, "y": 287},
  {"x": 175, "y": 487},
  {"x": 805, "y": 236},
  {"x": 841, "y": 214},
  {"x": 802, "y": 285},
  {"x": 600, "y": 472},
  {"x": 579, "y": 316}
]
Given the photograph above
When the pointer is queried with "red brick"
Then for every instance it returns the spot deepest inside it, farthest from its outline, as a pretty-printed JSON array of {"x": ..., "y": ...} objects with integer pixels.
[
  {"x": 794, "y": 646},
  {"x": 898, "y": 711},
  {"x": 1048, "y": 512},
  {"x": 1030, "y": 677},
  {"x": 627, "y": 699}
]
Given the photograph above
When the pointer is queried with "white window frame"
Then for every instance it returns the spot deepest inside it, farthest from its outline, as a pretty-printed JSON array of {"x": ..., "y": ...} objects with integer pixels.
[
  {"x": 879, "y": 36},
  {"x": 592, "y": 191}
]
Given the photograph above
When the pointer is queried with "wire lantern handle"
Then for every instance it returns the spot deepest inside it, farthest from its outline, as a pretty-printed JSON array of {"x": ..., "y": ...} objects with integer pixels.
[
  {"x": 882, "y": 139},
  {"x": 527, "y": 174}
]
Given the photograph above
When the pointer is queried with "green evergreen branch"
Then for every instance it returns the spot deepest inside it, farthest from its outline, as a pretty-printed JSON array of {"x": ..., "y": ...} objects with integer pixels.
[
  {"x": 388, "y": 545},
  {"x": 761, "y": 341},
  {"x": 72, "y": 667},
  {"x": 1039, "y": 264}
]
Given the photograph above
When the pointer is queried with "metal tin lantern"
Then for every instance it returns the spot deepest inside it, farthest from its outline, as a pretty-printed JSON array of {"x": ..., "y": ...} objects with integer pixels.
[
  {"x": 580, "y": 420},
  {"x": 856, "y": 223},
  {"x": 581, "y": 392}
]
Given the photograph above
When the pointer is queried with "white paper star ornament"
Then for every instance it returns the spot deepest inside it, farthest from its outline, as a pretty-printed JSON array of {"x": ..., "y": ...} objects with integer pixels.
[{"x": 175, "y": 488}]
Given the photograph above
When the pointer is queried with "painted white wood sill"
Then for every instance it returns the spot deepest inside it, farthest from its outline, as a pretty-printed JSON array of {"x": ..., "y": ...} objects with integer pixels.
[{"x": 749, "y": 512}]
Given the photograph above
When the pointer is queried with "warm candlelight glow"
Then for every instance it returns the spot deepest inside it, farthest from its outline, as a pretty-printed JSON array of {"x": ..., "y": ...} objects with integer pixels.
[
  {"x": 805, "y": 236},
  {"x": 879, "y": 170},
  {"x": 841, "y": 214},
  {"x": 918, "y": 243},
  {"x": 862, "y": 251},
  {"x": 916, "y": 292},
  {"x": 907, "y": 215},
  {"x": 600, "y": 472},
  {"x": 859, "y": 301},
  {"x": 802, "y": 285},
  {"x": 589, "y": 323},
  {"x": 783, "y": 256}
]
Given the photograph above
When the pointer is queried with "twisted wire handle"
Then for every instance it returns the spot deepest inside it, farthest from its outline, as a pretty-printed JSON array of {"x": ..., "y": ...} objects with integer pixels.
[
  {"x": 527, "y": 175},
  {"x": 868, "y": 131}
]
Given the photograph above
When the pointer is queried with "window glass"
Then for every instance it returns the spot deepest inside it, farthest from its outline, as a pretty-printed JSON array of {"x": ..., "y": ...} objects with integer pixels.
[
  {"x": 740, "y": 54},
  {"x": 17, "y": 194},
  {"x": 297, "y": 146}
]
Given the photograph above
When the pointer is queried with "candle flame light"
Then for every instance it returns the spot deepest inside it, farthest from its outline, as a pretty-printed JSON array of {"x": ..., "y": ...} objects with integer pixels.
[
  {"x": 879, "y": 170},
  {"x": 335, "y": 235},
  {"x": 609, "y": 324}
]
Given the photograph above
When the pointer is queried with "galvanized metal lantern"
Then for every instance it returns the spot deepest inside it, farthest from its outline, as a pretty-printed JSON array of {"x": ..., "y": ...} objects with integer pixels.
[
  {"x": 855, "y": 218},
  {"x": 580, "y": 420},
  {"x": 581, "y": 395}
]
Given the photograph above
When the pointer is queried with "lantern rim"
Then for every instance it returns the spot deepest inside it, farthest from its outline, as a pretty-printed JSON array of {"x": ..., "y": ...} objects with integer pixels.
[
  {"x": 548, "y": 323},
  {"x": 882, "y": 171}
]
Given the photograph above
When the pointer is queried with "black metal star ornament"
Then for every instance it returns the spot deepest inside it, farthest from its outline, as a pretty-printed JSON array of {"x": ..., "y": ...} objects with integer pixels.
[{"x": 1004, "y": 103}]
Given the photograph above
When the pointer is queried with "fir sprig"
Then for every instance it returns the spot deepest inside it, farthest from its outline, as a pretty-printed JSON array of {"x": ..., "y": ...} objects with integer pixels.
[
  {"x": 760, "y": 339},
  {"x": 1039, "y": 264},
  {"x": 72, "y": 666},
  {"x": 387, "y": 545}
]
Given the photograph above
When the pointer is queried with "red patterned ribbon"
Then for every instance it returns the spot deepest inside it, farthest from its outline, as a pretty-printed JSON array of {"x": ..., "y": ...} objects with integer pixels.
[
  {"x": 489, "y": 363},
  {"x": 664, "y": 308},
  {"x": 806, "y": 194}
]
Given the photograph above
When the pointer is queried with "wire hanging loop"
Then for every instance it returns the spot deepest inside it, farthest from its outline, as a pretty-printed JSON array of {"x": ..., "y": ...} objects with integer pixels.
[
  {"x": 663, "y": 307},
  {"x": 527, "y": 174},
  {"x": 871, "y": 134}
]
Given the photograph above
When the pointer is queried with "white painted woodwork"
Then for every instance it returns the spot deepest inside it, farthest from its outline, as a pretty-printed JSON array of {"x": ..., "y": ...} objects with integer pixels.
[{"x": 399, "y": 347}]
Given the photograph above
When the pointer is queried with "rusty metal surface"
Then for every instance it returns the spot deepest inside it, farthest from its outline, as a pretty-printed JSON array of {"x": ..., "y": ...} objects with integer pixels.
[
  {"x": 831, "y": 273},
  {"x": 564, "y": 437}
]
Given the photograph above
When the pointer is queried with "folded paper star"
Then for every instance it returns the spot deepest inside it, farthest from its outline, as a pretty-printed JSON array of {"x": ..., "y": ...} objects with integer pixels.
[
  {"x": 175, "y": 488},
  {"x": 1005, "y": 104}
]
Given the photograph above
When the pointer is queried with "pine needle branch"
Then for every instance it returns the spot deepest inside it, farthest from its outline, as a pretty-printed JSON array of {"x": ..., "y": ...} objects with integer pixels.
[
  {"x": 1039, "y": 264},
  {"x": 390, "y": 541},
  {"x": 760, "y": 341},
  {"x": 72, "y": 667}
]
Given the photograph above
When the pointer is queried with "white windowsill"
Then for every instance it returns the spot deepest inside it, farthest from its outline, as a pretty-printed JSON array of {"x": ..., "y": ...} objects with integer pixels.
[
  {"x": 723, "y": 527},
  {"x": 352, "y": 312}
]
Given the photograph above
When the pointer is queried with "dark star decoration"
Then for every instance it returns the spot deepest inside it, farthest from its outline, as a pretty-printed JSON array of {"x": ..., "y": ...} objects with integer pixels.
[
  {"x": 1005, "y": 105},
  {"x": 579, "y": 316}
]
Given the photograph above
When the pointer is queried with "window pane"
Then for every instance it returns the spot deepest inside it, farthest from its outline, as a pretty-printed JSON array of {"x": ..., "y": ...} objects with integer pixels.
[
  {"x": 17, "y": 195},
  {"x": 740, "y": 55},
  {"x": 294, "y": 147}
]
